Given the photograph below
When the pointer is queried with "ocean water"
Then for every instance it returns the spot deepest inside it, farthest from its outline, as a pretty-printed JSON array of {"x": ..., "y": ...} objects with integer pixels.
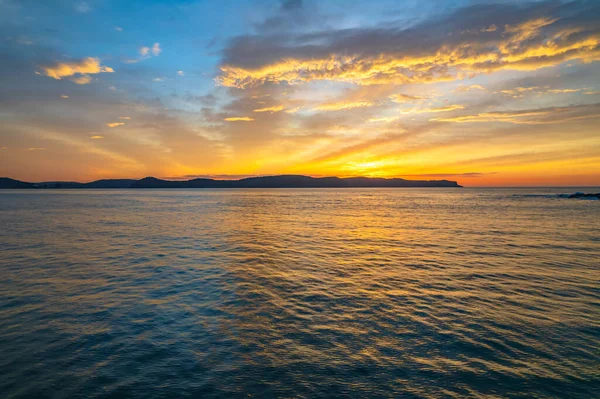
[{"x": 299, "y": 293}]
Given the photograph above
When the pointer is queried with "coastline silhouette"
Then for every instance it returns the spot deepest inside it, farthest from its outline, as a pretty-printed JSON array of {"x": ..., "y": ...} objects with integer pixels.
[{"x": 279, "y": 181}]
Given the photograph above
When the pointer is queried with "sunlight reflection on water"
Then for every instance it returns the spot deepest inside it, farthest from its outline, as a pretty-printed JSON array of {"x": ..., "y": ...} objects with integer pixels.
[{"x": 299, "y": 293}]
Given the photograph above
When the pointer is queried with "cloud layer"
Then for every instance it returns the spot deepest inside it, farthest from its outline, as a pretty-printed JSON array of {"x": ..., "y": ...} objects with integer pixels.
[{"x": 528, "y": 40}]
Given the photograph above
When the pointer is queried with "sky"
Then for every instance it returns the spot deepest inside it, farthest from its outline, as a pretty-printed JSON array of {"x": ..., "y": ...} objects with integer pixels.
[{"x": 483, "y": 93}]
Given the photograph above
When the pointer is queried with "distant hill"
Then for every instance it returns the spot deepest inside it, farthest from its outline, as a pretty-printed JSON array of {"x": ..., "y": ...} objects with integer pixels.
[
  {"x": 291, "y": 181},
  {"x": 6, "y": 182},
  {"x": 282, "y": 181}
]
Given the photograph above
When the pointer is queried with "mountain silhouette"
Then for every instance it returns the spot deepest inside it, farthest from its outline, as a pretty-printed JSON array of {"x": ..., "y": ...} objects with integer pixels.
[{"x": 281, "y": 181}]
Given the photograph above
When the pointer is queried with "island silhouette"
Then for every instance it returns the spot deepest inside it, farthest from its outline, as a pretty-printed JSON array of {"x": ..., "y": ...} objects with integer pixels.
[{"x": 279, "y": 181}]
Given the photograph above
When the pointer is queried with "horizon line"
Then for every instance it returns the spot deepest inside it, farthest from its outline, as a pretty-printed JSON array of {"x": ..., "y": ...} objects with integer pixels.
[{"x": 190, "y": 178}]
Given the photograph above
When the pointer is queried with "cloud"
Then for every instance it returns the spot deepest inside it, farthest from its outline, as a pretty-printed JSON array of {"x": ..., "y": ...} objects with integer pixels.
[
  {"x": 556, "y": 91},
  {"x": 424, "y": 53},
  {"x": 383, "y": 119},
  {"x": 81, "y": 80},
  {"x": 402, "y": 98},
  {"x": 445, "y": 175},
  {"x": 83, "y": 7},
  {"x": 125, "y": 117},
  {"x": 35, "y": 149},
  {"x": 520, "y": 92},
  {"x": 592, "y": 92},
  {"x": 342, "y": 105},
  {"x": 146, "y": 52},
  {"x": 464, "y": 89},
  {"x": 180, "y": 73},
  {"x": 542, "y": 116},
  {"x": 275, "y": 108},
  {"x": 158, "y": 79},
  {"x": 77, "y": 71},
  {"x": 114, "y": 124},
  {"x": 238, "y": 119},
  {"x": 64, "y": 96},
  {"x": 118, "y": 29},
  {"x": 96, "y": 137},
  {"x": 447, "y": 108}
]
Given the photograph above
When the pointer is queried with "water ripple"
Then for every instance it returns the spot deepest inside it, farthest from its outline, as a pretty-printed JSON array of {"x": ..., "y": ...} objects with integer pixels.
[{"x": 299, "y": 294}]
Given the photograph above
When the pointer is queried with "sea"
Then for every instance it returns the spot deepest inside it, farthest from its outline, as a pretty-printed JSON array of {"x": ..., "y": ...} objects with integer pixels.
[{"x": 299, "y": 293}]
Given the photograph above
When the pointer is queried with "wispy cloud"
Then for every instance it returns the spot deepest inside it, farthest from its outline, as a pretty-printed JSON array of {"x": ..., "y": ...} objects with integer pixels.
[
  {"x": 403, "y": 98},
  {"x": 83, "y": 7},
  {"x": 447, "y": 108},
  {"x": 464, "y": 89},
  {"x": 145, "y": 53},
  {"x": 156, "y": 50},
  {"x": 275, "y": 108},
  {"x": 114, "y": 124},
  {"x": 556, "y": 91},
  {"x": 342, "y": 105},
  {"x": 383, "y": 119},
  {"x": 542, "y": 116},
  {"x": 238, "y": 119}
]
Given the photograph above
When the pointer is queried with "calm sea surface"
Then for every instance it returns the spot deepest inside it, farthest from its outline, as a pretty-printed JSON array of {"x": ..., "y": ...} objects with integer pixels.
[{"x": 299, "y": 293}]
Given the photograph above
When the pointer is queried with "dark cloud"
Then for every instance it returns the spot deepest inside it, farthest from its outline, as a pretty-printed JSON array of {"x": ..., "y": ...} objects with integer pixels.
[
  {"x": 292, "y": 15},
  {"x": 429, "y": 51}
]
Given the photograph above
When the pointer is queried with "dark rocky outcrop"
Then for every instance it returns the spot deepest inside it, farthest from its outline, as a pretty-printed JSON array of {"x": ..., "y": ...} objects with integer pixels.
[{"x": 585, "y": 196}]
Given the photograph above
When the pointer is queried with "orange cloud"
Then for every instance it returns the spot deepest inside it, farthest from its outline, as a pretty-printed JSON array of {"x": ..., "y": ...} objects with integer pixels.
[
  {"x": 77, "y": 71},
  {"x": 337, "y": 106},
  {"x": 275, "y": 108},
  {"x": 383, "y": 119},
  {"x": 402, "y": 98},
  {"x": 526, "y": 46},
  {"x": 447, "y": 108},
  {"x": 543, "y": 116},
  {"x": 464, "y": 89},
  {"x": 238, "y": 119},
  {"x": 114, "y": 124},
  {"x": 555, "y": 91}
]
